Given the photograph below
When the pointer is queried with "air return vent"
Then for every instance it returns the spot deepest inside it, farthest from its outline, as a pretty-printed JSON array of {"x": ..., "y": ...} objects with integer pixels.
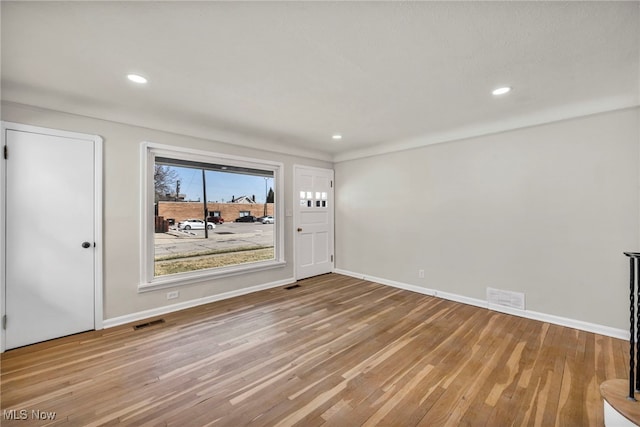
[
  {"x": 148, "y": 324},
  {"x": 505, "y": 298}
]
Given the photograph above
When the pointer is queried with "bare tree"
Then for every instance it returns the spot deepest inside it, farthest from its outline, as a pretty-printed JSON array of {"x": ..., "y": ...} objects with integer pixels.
[{"x": 165, "y": 179}]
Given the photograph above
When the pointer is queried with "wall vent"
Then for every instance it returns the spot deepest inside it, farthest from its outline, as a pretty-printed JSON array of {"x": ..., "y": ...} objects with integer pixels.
[{"x": 505, "y": 298}]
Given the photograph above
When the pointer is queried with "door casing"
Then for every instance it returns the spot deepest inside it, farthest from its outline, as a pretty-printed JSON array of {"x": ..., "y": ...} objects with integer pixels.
[
  {"x": 296, "y": 214},
  {"x": 98, "y": 250}
]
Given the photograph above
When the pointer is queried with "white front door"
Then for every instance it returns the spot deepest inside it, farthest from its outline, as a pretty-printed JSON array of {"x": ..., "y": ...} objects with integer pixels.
[
  {"x": 50, "y": 236},
  {"x": 313, "y": 221}
]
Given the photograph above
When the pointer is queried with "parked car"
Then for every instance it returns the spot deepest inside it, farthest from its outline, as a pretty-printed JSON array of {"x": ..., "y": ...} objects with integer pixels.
[
  {"x": 195, "y": 224},
  {"x": 246, "y": 218},
  {"x": 266, "y": 219},
  {"x": 216, "y": 219}
]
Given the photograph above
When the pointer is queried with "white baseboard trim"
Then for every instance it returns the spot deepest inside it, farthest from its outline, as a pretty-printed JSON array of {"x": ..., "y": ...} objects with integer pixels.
[
  {"x": 388, "y": 282},
  {"x": 534, "y": 315},
  {"x": 141, "y": 315}
]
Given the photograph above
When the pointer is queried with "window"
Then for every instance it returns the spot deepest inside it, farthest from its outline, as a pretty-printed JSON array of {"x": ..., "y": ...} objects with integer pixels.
[
  {"x": 307, "y": 200},
  {"x": 193, "y": 205}
]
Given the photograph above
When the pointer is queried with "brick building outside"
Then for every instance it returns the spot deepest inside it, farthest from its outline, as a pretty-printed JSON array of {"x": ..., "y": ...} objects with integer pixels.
[{"x": 179, "y": 211}]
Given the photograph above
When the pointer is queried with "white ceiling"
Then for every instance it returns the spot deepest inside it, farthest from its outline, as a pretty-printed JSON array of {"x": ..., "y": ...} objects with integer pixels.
[{"x": 286, "y": 76}]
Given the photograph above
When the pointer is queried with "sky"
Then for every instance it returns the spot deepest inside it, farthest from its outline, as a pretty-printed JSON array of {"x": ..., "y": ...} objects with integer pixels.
[{"x": 221, "y": 186}]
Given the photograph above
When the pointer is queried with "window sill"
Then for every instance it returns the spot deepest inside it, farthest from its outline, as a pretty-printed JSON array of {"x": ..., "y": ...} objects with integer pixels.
[{"x": 181, "y": 279}]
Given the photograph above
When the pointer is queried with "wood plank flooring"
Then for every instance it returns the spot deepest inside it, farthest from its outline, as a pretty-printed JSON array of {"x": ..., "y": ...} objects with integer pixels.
[{"x": 337, "y": 351}]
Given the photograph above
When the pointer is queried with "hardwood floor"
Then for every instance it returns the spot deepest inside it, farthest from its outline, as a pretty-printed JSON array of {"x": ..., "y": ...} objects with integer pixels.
[{"x": 336, "y": 351}]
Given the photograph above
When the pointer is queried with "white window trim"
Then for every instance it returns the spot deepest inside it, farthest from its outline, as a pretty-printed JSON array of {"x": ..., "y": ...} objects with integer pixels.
[{"x": 148, "y": 152}]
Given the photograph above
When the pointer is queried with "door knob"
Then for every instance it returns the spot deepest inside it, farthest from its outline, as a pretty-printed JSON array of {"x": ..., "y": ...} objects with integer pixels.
[
  {"x": 299, "y": 229},
  {"x": 86, "y": 245}
]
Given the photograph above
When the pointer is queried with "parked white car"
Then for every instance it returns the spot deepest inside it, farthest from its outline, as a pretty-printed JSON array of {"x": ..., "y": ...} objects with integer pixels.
[
  {"x": 195, "y": 224},
  {"x": 266, "y": 219}
]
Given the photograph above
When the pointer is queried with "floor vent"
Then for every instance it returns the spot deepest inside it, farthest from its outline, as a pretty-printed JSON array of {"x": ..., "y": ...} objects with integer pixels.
[
  {"x": 505, "y": 298},
  {"x": 292, "y": 287},
  {"x": 146, "y": 325}
]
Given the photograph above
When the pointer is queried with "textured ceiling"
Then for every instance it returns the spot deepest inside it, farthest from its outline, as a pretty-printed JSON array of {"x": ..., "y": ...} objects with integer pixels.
[{"x": 287, "y": 75}]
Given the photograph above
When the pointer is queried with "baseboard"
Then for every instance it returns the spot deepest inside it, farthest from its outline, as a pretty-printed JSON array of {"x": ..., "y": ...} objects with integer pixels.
[
  {"x": 388, "y": 282},
  {"x": 534, "y": 315},
  {"x": 133, "y": 317}
]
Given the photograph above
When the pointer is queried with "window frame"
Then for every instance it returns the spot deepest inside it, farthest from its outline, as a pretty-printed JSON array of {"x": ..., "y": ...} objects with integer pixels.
[{"x": 148, "y": 152}]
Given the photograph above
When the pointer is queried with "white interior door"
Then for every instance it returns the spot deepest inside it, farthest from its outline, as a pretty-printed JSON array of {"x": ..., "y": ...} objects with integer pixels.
[
  {"x": 50, "y": 236},
  {"x": 313, "y": 221}
]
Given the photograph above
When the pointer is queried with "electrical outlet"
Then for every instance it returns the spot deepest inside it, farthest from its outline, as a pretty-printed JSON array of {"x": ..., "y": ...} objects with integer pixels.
[
  {"x": 420, "y": 274},
  {"x": 173, "y": 294}
]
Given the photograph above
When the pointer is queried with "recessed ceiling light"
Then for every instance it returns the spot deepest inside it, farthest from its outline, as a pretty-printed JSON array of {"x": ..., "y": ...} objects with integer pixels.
[
  {"x": 337, "y": 136},
  {"x": 136, "y": 78},
  {"x": 501, "y": 90}
]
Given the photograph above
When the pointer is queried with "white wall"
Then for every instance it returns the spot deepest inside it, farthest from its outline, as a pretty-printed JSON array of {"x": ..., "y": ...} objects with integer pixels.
[
  {"x": 122, "y": 207},
  {"x": 546, "y": 210}
]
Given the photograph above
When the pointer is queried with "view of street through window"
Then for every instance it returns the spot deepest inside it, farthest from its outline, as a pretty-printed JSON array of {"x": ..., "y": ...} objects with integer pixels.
[
  {"x": 232, "y": 243},
  {"x": 235, "y": 226}
]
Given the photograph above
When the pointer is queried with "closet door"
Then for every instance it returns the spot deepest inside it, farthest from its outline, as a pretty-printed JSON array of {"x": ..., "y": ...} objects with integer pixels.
[{"x": 50, "y": 236}]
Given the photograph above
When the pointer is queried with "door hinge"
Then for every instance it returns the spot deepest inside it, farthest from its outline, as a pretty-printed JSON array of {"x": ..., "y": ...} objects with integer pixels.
[
  {"x": 6, "y": 152},
  {"x": 331, "y": 258},
  {"x": 331, "y": 183},
  {"x": 4, "y": 322}
]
